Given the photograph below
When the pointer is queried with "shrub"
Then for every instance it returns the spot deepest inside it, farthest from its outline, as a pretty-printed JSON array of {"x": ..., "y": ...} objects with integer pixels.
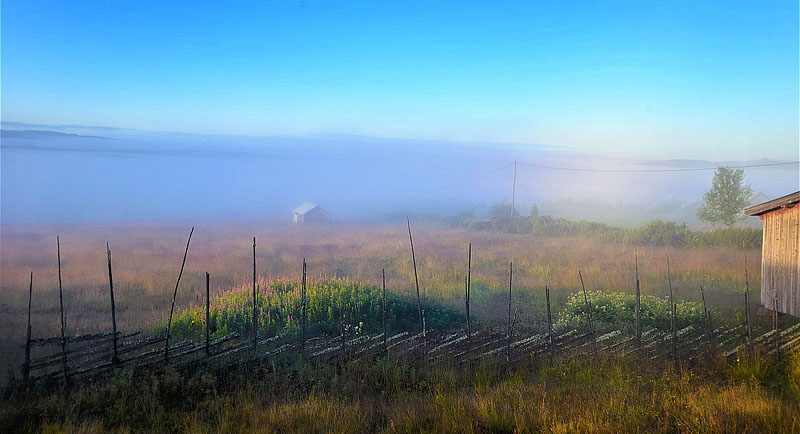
[
  {"x": 617, "y": 310},
  {"x": 279, "y": 308}
]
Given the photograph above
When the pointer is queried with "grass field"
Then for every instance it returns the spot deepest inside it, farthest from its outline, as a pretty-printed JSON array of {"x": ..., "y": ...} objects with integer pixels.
[
  {"x": 146, "y": 260},
  {"x": 754, "y": 394}
]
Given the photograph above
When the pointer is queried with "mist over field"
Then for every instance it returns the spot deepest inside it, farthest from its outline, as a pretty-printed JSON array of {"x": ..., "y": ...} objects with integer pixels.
[{"x": 75, "y": 174}]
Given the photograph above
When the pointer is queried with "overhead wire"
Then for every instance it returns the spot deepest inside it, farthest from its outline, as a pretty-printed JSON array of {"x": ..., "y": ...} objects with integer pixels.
[{"x": 678, "y": 169}]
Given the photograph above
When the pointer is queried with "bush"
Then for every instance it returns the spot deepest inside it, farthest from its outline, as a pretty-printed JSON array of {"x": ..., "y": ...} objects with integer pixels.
[
  {"x": 654, "y": 233},
  {"x": 279, "y": 309},
  {"x": 617, "y": 311}
]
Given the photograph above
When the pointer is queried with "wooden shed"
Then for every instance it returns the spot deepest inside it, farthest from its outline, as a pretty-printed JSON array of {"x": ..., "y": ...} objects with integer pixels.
[
  {"x": 780, "y": 253},
  {"x": 310, "y": 213}
]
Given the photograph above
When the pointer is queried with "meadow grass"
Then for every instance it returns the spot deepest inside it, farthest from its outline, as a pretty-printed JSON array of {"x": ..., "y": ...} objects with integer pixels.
[
  {"x": 578, "y": 395},
  {"x": 147, "y": 259}
]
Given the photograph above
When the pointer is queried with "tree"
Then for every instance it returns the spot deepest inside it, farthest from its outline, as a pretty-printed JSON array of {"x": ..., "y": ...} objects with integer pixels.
[{"x": 727, "y": 198}]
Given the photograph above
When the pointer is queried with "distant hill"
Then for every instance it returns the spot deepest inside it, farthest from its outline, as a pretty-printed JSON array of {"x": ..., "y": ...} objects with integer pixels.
[{"x": 43, "y": 134}]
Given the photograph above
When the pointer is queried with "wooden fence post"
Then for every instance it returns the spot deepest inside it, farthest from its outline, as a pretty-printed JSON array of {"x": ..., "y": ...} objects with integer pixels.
[
  {"x": 746, "y": 300},
  {"x": 549, "y": 323},
  {"x": 638, "y": 303},
  {"x": 416, "y": 279},
  {"x": 63, "y": 321},
  {"x": 303, "y": 312},
  {"x": 467, "y": 288},
  {"x": 510, "y": 279},
  {"x": 26, "y": 370},
  {"x": 672, "y": 309},
  {"x": 255, "y": 316},
  {"x": 707, "y": 320},
  {"x": 383, "y": 310},
  {"x": 588, "y": 311},
  {"x": 174, "y": 295},
  {"x": 208, "y": 314},
  {"x": 115, "y": 357}
]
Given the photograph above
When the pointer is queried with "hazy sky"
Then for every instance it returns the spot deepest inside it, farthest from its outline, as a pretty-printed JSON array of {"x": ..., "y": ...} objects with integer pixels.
[{"x": 669, "y": 79}]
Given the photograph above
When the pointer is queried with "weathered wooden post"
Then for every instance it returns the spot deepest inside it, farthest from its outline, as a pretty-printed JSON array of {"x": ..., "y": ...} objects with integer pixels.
[
  {"x": 115, "y": 357},
  {"x": 416, "y": 279},
  {"x": 510, "y": 279},
  {"x": 63, "y": 320},
  {"x": 707, "y": 321},
  {"x": 303, "y": 311},
  {"x": 746, "y": 300},
  {"x": 26, "y": 369},
  {"x": 175, "y": 295},
  {"x": 549, "y": 323},
  {"x": 255, "y": 314},
  {"x": 638, "y": 303},
  {"x": 467, "y": 285},
  {"x": 588, "y": 309},
  {"x": 383, "y": 309},
  {"x": 208, "y": 314},
  {"x": 672, "y": 309}
]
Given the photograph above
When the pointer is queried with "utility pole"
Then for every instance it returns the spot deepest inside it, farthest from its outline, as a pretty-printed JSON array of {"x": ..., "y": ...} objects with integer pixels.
[{"x": 513, "y": 188}]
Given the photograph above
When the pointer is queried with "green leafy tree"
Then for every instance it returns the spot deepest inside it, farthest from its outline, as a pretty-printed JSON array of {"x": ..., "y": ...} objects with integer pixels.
[{"x": 727, "y": 198}]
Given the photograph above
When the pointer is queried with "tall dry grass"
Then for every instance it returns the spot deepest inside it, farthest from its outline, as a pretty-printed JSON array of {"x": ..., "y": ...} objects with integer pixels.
[
  {"x": 599, "y": 396},
  {"x": 147, "y": 259}
]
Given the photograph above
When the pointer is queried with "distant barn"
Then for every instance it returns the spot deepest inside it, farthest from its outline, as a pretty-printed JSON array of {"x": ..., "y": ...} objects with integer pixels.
[
  {"x": 780, "y": 253},
  {"x": 310, "y": 213}
]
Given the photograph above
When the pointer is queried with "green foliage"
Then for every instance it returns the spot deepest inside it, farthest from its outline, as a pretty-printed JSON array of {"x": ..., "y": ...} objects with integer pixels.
[
  {"x": 617, "y": 310},
  {"x": 279, "y": 308},
  {"x": 653, "y": 233},
  {"x": 727, "y": 198}
]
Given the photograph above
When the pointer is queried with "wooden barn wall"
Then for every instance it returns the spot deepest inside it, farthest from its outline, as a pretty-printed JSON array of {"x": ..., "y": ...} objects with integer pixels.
[{"x": 780, "y": 261}]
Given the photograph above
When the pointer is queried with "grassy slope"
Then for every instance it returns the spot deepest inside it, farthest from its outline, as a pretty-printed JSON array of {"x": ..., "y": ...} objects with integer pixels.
[{"x": 753, "y": 395}]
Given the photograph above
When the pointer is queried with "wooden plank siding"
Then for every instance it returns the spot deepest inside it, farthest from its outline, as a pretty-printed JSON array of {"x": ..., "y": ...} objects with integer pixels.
[{"x": 780, "y": 260}]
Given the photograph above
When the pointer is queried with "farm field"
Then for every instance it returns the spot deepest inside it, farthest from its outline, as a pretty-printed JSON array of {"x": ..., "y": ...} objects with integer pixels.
[
  {"x": 147, "y": 257},
  {"x": 757, "y": 390}
]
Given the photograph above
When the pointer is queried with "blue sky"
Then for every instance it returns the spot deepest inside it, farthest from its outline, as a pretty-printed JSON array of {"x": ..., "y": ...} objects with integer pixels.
[{"x": 668, "y": 79}]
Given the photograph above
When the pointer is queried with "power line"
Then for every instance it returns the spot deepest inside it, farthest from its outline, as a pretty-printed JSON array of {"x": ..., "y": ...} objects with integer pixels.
[
  {"x": 478, "y": 177},
  {"x": 577, "y": 169},
  {"x": 681, "y": 169}
]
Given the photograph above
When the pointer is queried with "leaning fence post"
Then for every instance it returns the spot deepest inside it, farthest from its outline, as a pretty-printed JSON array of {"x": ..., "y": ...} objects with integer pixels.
[
  {"x": 510, "y": 279},
  {"x": 467, "y": 288},
  {"x": 63, "y": 321},
  {"x": 114, "y": 358},
  {"x": 26, "y": 370},
  {"x": 638, "y": 303},
  {"x": 255, "y": 317},
  {"x": 303, "y": 311},
  {"x": 383, "y": 309},
  {"x": 174, "y": 295},
  {"x": 208, "y": 314},
  {"x": 549, "y": 323},
  {"x": 672, "y": 309},
  {"x": 588, "y": 312},
  {"x": 416, "y": 279},
  {"x": 746, "y": 300},
  {"x": 707, "y": 320}
]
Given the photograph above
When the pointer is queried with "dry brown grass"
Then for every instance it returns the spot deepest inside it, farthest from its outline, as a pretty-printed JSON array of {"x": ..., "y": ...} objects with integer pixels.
[{"x": 147, "y": 259}]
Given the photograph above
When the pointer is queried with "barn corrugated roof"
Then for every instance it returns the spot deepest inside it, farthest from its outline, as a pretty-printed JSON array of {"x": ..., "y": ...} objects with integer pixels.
[{"x": 304, "y": 208}]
